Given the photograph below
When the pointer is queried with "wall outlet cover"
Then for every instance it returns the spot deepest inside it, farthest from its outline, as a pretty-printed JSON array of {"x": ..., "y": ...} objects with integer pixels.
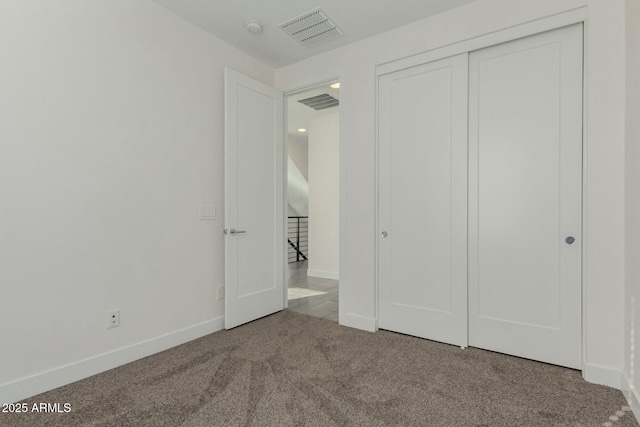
[{"x": 113, "y": 319}]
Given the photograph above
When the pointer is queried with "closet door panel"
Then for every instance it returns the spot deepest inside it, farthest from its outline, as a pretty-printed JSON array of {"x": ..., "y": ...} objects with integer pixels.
[
  {"x": 422, "y": 201},
  {"x": 525, "y": 197}
]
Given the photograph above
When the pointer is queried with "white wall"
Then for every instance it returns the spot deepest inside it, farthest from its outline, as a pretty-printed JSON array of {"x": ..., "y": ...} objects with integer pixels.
[
  {"x": 324, "y": 197},
  {"x": 355, "y": 66},
  {"x": 111, "y": 137},
  {"x": 297, "y": 190},
  {"x": 632, "y": 297},
  {"x": 298, "y": 175},
  {"x": 298, "y": 149}
]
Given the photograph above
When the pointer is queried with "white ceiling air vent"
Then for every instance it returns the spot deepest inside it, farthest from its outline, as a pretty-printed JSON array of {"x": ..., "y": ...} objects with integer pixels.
[
  {"x": 312, "y": 28},
  {"x": 320, "y": 102}
]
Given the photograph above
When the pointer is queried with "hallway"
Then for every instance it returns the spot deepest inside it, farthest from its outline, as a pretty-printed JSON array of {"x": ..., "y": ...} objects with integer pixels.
[{"x": 314, "y": 296}]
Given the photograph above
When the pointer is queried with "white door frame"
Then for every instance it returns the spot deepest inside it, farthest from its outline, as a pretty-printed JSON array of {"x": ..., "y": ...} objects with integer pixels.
[
  {"x": 576, "y": 16},
  {"x": 342, "y": 186}
]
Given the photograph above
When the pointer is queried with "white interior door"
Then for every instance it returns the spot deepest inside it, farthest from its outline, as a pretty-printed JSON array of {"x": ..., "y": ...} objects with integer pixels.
[
  {"x": 254, "y": 242},
  {"x": 423, "y": 201},
  {"x": 525, "y": 180}
]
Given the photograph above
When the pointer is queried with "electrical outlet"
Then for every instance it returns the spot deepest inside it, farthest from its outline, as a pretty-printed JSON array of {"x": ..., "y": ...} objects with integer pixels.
[
  {"x": 113, "y": 319},
  {"x": 220, "y": 292}
]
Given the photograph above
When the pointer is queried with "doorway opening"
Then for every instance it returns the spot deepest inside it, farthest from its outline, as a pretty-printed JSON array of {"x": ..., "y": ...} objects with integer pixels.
[{"x": 313, "y": 200}]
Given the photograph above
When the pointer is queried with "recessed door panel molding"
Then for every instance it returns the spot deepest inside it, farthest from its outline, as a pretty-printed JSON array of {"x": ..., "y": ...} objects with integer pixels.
[
  {"x": 254, "y": 247},
  {"x": 525, "y": 197},
  {"x": 422, "y": 200}
]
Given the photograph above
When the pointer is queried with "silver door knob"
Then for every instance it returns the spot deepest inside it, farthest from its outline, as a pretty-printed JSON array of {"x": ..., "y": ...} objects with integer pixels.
[
  {"x": 233, "y": 231},
  {"x": 384, "y": 234},
  {"x": 570, "y": 240}
]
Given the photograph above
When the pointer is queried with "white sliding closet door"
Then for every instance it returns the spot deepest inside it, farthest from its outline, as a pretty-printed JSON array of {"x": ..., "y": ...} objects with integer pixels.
[
  {"x": 525, "y": 195},
  {"x": 423, "y": 201}
]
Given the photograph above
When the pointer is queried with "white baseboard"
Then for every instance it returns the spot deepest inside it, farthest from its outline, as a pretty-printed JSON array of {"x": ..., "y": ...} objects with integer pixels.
[
  {"x": 323, "y": 274},
  {"x": 633, "y": 396},
  {"x": 604, "y": 375},
  {"x": 358, "y": 322},
  {"x": 39, "y": 383}
]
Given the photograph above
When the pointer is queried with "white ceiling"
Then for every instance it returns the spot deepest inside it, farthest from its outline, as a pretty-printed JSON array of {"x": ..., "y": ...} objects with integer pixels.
[{"x": 358, "y": 19}]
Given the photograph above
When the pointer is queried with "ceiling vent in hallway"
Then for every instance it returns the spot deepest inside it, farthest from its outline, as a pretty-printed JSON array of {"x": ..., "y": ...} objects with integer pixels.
[
  {"x": 320, "y": 102},
  {"x": 312, "y": 29}
]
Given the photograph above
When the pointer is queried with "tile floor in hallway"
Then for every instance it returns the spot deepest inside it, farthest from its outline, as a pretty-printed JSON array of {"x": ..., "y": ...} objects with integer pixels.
[{"x": 313, "y": 296}]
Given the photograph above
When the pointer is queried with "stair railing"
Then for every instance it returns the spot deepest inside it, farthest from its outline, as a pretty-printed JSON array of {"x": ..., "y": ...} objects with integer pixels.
[{"x": 298, "y": 238}]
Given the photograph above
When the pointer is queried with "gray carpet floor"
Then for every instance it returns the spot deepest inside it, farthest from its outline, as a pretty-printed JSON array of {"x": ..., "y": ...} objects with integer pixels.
[{"x": 290, "y": 369}]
